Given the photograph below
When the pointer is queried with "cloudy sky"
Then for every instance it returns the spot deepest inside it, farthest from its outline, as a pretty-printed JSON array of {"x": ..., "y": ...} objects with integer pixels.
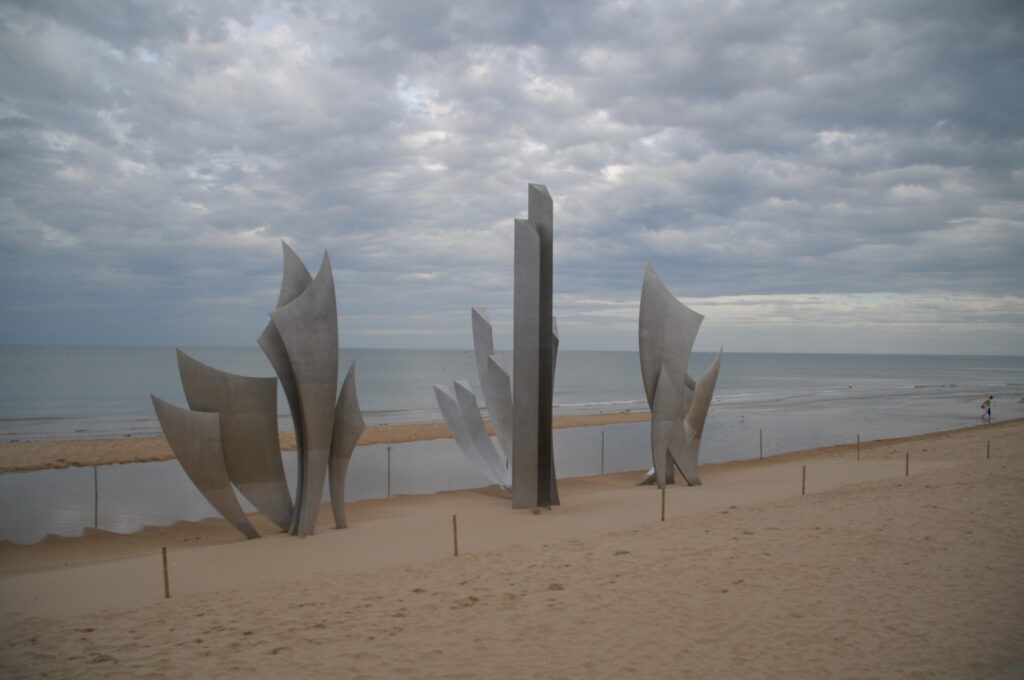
[{"x": 812, "y": 176}]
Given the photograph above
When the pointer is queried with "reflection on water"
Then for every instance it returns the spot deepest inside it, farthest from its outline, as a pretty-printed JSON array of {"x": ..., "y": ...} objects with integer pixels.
[{"x": 33, "y": 504}]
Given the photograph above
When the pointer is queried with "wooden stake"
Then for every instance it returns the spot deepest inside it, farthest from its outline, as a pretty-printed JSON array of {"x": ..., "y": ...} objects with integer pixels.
[
  {"x": 602, "y": 452},
  {"x": 760, "y": 444},
  {"x": 167, "y": 578},
  {"x": 662, "y": 504},
  {"x": 907, "y": 473},
  {"x": 389, "y": 472},
  {"x": 803, "y": 482},
  {"x": 455, "y": 534},
  {"x": 95, "y": 497},
  {"x": 858, "y": 447},
  {"x": 988, "y": 450}
]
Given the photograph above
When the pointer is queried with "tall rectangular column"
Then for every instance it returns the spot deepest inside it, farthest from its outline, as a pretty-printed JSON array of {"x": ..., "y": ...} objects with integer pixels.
[{"x": 533, "y": 471}]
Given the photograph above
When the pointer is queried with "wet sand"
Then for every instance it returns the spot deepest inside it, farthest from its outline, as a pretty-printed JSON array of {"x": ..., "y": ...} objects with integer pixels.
[
  {"x": 23, "y": 456},
  {"x": 872, "y": 573}
]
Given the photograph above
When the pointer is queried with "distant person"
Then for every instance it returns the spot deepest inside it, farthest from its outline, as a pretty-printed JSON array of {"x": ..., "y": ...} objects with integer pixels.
[{"x": 986, "y": 409}]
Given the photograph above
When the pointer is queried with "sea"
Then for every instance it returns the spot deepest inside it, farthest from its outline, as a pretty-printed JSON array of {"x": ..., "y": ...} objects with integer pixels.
[{"x": 764, "y": 404}]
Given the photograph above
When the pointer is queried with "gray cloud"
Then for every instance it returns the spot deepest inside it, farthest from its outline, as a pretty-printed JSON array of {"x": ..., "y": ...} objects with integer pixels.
[{"x": 154, "y": 155}]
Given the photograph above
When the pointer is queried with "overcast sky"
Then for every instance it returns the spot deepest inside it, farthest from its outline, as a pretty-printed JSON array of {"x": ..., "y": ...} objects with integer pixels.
[{"x": 811, "y": 176}]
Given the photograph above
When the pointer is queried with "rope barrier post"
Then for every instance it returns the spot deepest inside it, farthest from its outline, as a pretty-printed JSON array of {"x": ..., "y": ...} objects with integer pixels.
[
  {"x": 858, "y": 447},
  {"x": 803, "y": 482},
  {"x": 907, "y": 473},
  {"x": 389, "y": 472},
  {"x": 95, "y": 497},
  {"x": 167, "y": 578},
  {"x": 760, "y": 444},
  {"x": 988, "y": 449},
  {"x": 602, "y": 452},
  {"x": 455, "y": 534}
]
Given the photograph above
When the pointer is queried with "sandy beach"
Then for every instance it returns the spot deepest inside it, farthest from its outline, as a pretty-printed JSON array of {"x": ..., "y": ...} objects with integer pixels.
[{"x": 871, "y": 574}]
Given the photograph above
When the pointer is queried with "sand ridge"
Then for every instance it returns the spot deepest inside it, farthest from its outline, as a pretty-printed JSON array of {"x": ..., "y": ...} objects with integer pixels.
[
  {"x": 24, "y": 456},
  {"x": 871, "y": 574}
]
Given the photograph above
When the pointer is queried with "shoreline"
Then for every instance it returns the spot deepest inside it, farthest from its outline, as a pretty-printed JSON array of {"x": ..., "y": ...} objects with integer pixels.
[
  {"x": 57, "y": 550},
  {"x": 871, "y": 573},
  {"x": 51, "y": 455}
]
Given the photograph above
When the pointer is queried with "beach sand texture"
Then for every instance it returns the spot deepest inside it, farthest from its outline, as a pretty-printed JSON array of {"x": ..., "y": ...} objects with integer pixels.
[{"x": 872, "y": 574}]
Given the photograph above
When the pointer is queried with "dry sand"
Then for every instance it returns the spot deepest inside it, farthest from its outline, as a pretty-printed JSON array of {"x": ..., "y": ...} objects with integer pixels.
[
  {"x": 23, "y": 456},
  {"x": 872, "y": 574}
]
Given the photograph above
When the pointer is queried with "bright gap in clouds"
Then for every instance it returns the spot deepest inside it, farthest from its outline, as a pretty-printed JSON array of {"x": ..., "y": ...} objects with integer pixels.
[{"x": 845, "y": 323}]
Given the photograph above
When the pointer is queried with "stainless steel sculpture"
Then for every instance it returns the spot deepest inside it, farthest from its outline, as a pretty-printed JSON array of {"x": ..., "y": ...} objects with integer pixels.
[
  {"x": 693, "y": 426},
  {"x": 348, "y": 426},
  {"x": 194, "y": 437},
  {"x": 495, "y": 381},
  {"x": 248, "y": 430},
  {"x": 301, "y": 342},
  {"x": 462, "y": 412},
  {"x": 309, "y": 330},
  {"x": 533, "y": 463},
  {"x": 519, "y": 406},
  {"x": 295, "y": 279},
  {"x": 679, "y": 405}
]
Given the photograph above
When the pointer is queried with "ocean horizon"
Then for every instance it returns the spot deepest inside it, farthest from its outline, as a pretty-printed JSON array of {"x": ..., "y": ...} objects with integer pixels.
[{"x": 54, "y": 392}]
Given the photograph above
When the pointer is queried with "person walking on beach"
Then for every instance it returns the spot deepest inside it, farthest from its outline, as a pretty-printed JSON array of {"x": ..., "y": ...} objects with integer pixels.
[{"x": 986, "y": 409}]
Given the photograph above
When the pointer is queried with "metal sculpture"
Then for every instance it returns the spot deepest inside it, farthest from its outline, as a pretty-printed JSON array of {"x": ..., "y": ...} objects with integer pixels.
[
  {"x": 348, "y": 426},
  {"x": 301, "y": 342},
  {"x": 679, "y": 405},
  {"x": 248, "y": 426},
  {"x": 462, "y": 412},
  {"x": 295, "y": 279},
  {"x": 309, "y": 331},
  {"x": 195, "y": 438},
  {"x": 495, "y": 381},
  {"x": 519, "y": 405}
]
